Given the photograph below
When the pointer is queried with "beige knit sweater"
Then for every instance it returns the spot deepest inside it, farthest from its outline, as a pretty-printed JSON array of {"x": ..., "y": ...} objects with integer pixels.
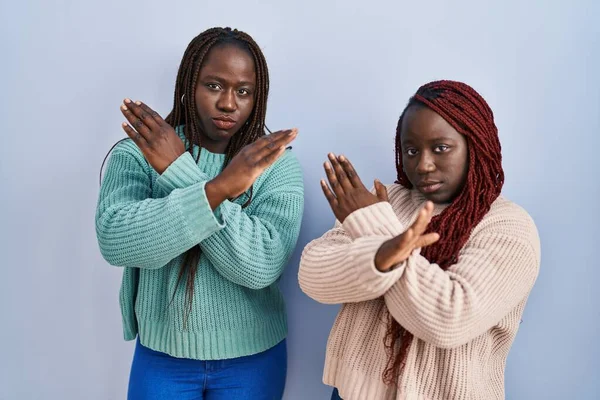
[{"x": 464, "y": 319}]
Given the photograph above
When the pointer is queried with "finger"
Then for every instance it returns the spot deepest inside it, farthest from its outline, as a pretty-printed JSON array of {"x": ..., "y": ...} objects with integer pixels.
[
  {"x": 340, "y": 173},
  {"x": 351, "y": 173},
  {"x": 404, "y": 239},
  {"x": 423, "y": 219},
  {"x": 133, "y": 119},
  {"x": 328, "y": 194},
  {"x": 284, "y": 139},
  {"x": 148, "y": 116},
  {"x": 271, "y": 143},
  {"x": 276, "y": 139},
  {"x": 134, "y": 135},
  {"x": 333, "y": 179},
  {"x": 381, "y": 191},
  {"x": 426, "y": 240},
  {"x": 268, "y": 159},
  {"x": 391, "y": 256}
]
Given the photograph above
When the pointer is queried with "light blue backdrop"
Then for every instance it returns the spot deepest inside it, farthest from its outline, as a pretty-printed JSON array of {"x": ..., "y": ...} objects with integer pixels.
[{"x": 341, "y": 72}]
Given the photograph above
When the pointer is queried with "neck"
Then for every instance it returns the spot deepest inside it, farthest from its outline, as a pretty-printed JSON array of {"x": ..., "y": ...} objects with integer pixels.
[{"x": 217, "y": 147}]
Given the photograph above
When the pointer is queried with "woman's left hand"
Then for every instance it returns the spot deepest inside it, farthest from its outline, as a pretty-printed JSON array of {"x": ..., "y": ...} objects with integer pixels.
[{"x": 347, "y": 193}]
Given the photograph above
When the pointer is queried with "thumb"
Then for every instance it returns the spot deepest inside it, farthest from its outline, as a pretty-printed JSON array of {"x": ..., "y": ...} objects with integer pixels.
[
  {"x": 427, "y": 240},
  {"x": 381, "y": 191}
]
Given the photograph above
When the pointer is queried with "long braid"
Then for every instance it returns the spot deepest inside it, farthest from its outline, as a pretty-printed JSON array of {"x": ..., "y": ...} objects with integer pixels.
[{"x": 463, "y": 108}]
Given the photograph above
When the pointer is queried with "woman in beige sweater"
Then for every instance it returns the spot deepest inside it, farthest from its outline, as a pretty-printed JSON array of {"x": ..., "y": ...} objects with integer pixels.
[{"x": 434, "y": 271}]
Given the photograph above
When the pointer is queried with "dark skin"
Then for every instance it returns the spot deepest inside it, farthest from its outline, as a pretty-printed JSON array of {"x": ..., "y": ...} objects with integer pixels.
[
  {"x": 435, "y": 155},
  {"x": 225, "y": 89},
  {"x": 436, "y": 164}
]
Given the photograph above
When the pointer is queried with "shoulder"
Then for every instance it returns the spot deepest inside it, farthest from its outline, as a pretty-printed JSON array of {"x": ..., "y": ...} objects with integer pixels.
[
  {"x": 286, "y": 171},
  {"x": 287, "y": 163},
  {"x": 506, "y": 218},
  {"x": 126, "y": 155},
  {"x": 126, "y": 148},
  {"x": 507, "y": 215}
]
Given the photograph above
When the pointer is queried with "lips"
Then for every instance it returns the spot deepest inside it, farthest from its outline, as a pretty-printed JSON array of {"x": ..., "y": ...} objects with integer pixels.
[
  {"x": 429, "y": 186},
  {"x": 224, "y": 123}
]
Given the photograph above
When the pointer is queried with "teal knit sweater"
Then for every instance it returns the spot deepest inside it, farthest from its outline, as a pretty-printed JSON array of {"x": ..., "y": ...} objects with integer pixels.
[{"x": 145, "y": 222}]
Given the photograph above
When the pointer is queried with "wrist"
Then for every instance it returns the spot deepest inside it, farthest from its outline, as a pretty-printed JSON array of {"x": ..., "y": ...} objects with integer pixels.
[
  {"x": 378, "y": 262},
  {"x": 215, "y": 193}
]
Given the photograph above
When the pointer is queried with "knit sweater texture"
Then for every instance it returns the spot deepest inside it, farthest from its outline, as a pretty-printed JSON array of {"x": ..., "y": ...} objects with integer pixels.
[
  {"x": 463, "y": 319},
  {"x": 145, "y": 222}
]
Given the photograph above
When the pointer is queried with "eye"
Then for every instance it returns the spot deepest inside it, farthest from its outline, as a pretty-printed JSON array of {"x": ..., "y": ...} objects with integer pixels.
[
  {"x": 244, "y": 92},
  {"x": 441, "y": 148},
  {"x": 411, "y": 152},
  {"x": 213, "y": 86}
]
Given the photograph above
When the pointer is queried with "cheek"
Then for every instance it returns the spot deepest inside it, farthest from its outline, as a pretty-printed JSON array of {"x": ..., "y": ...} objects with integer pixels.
[
  {"x": 409, "y": 166},
  {"x": 203, "y": 104},
  {"x": 405, "y": 165},
  {"x": 459, "y": 168},
  {"x": 246, "y": 106}
]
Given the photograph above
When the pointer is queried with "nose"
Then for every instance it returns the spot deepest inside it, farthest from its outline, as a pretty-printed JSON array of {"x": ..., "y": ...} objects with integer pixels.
[
  {"x": 425, "y": 164},
  {"x": 227, "y": 101}
]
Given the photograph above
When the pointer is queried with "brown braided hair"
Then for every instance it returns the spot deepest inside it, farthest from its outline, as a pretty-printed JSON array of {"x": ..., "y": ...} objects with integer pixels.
[{"x": 463, "y": 108}]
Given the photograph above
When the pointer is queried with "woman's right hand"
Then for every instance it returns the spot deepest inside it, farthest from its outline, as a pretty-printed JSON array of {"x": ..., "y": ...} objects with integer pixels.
[
  {"x": 157, "y": 140},
  {"x": 399, "y": 248},
  {"x": 247, "y": 165}
]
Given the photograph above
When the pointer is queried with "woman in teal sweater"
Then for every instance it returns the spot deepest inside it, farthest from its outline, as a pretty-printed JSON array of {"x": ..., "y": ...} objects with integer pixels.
[{"x": 203, "y": 211}]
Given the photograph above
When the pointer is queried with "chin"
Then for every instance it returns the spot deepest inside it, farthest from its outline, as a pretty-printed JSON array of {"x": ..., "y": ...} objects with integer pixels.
[
  {"x": 437, "y": 198},
  {"x": 219, "y": 136}
]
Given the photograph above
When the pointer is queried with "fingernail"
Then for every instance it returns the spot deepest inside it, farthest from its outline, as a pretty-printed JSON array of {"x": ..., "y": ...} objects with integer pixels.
[
  {"x": 124, "y": 124},
  {"x": 139, "y": 103},
  {"x": 331, "y": 155},
  {"x": 123, "y": 107},
  {"x": 127, "y": 101},
  {"x": 342, "y": 158}
]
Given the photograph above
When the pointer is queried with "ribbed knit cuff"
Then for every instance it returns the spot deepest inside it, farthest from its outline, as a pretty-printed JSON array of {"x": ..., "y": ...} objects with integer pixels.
[
  {"x": 370, "y": 278},
  {"x": 182, "y": 173},
  {"x": 376, "y": 220},
  {"x": 197, "y": 213}
]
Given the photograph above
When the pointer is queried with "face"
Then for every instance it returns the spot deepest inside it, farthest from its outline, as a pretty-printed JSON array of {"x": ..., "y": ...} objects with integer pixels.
[
  {"x": 434, "y": 154},
  {"x": 225, "y": 94}
]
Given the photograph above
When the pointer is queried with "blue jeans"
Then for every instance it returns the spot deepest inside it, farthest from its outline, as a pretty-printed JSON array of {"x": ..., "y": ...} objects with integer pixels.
[
  {"x": 335, "y": 395},
  {"x": 159, "y": 376}
]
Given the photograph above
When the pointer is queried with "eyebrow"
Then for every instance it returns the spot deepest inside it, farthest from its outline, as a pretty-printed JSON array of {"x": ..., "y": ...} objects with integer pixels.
[
  {"x": 218, "y": 78},
  {"x": 442, "y": 139},
  {"x": 435, "y": 139}
]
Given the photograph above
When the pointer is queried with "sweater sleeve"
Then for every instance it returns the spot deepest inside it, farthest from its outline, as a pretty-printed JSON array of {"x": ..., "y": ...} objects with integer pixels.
[
  {"x": 256, "y": 242},
  {"x": 340, "y": 267},
  {"x": 496, "y": 270},
  {"x": 135, "y": 230}
]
